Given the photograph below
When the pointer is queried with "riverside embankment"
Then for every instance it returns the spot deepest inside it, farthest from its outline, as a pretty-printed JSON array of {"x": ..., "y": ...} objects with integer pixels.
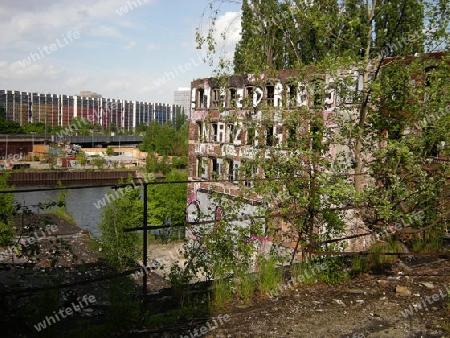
[{"x": 44, "y": 177}]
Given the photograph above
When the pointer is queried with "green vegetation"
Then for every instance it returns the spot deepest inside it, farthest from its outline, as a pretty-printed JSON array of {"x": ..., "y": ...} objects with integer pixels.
[
  {"x": 81, "y": 158},
  {"x": 99, "y": 162},
  {"x": 222, "y": 292},
  {"x": 109, "y": 151},
  {"x": 7, "y": 209},
  {"x": 166, "y": 139},
  {"x": 125, "y": 305},
  {"x": 289, "y": 34},
  {"x": 246, "y": 287},
  {"x": 269, "y": 276},
  {"x": 167, "y": 204},
  {"x": 124, "y": 211},
  {"x": 60, "y": 209},
  {"x": 7, "y": 126}
]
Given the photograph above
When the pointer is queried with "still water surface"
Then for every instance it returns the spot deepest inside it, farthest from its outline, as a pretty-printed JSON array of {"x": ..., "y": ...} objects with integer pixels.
[{"x": 80, "y": 202}]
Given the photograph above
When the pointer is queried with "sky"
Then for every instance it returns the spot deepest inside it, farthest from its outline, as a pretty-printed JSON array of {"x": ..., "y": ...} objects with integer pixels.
[{"x": 125, "y": 49}]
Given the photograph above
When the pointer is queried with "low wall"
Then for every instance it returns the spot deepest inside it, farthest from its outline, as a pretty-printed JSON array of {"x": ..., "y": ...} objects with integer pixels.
[{"x": 46, "y": 177}]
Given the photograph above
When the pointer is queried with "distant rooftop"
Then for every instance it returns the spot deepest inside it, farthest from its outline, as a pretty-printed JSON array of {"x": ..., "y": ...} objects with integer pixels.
[{"x": 87, "y": 93}]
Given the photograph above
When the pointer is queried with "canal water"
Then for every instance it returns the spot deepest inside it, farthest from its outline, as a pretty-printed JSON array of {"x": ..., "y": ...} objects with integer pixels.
[{"x": 80, "y": 202}]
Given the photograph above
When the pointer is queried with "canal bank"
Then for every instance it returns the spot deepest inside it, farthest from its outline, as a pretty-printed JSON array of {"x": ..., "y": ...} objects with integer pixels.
[
  {"x": 84, "y": 191},
  {"x": 66, "y": 177}
]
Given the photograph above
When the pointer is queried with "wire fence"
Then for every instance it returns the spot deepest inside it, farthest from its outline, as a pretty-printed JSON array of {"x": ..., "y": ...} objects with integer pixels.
[{"x": 310, "y": 248}]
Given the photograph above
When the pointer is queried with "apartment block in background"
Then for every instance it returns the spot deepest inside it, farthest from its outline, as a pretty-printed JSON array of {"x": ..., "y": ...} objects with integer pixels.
[
  {"x": 59, "y": 110},
  {"x": 182, "y": 97}
]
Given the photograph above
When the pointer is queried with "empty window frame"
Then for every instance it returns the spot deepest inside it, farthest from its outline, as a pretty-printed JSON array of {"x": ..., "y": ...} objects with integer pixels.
[
  {"x": 230, "y": 169},
  {"x": 215, "y": 98},
  {"x": 216, "y": 168},
  {"x": 213, "y": 135},
  {"x": 292, "y": 93},
  {"x": 269, "y": 133},
  {"x": 204, "y": 168},
  {"x": 270, "y": 95},
  {"x": 251, "y": 134},
  {"x": 200, "y": 131},
  {"x": 318, "y": 96},
  {"x": 293, "y": 135},
  {"x": 236, "y": 165},
  {"x": 250, "y": 172},
  {"x": 199, "y": 167},
  {"x": 248, "y": 99},
  {"x": 230, "y": 133},
  {"x": 200, "y": 98},
  {"x": 232, "y": 98},
  {"x": 221, "y": 132}
]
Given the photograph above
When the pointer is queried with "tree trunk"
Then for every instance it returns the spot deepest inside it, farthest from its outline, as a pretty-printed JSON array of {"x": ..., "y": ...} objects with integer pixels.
[{"x": 359, "y": 178}]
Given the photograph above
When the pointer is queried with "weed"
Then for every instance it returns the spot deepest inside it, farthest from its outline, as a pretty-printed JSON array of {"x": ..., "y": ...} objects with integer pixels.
[
  {"x": 390, "y": 246},
  {"x": 246, "y": 287},
  {"x": 360, "y": 264},
  {"x": 335, "y": 273},
  {"x": 269, "y": 276},
  {"x": 222, "y": 293},
  {"x": 432, "y": 242}
]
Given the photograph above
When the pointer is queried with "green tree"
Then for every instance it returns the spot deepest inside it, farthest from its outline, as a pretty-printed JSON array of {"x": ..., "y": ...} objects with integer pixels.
[
  {"x": 99, "y": 162},
  {"x": 284, "y": 34},
  {"x": 179, "y": 143},
  {"x": 384, "y": 178},
  {"x": 151, "y": 162},
  {"x": 167, "y": 201},
  {"x": 398, "y": 21},
  {"x": 152, "y": 133},
  {"x": 164, "y": 166},
  {"x": 165, "y": 136},
  {"x": 81, "y": 158},
  {"x": 38, "y": 128},
  {"x": 9, "y": 127},
  {"x": 7, "y": 209},
  {"x": 258, "y": 25},
  {"x": 109, "y": 151},
  {"x": 141, "y": 128},
  {"x": 123, "y": 211}
]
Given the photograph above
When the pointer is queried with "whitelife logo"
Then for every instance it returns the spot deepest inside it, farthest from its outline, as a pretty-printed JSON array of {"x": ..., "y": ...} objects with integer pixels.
[
  {"x": 71, "y": 36},
  {"x": 34, "y": 238},
  {"x": 109, "y": 197},
  {"x": 130, "y": 6},
  {"x": 177, "y": 70},
  {"x": 422, "y": 305},
  {"x": 202, "y": 330}
]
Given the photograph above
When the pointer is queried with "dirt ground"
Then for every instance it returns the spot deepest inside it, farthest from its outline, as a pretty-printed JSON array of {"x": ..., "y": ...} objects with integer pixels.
[
  {"x": 371, "y": 305},
  {"x": 368, "y": 306}
]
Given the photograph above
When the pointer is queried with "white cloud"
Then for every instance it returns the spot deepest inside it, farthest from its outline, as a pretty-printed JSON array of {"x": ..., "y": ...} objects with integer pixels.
[
  {"x": 131, "y": 45},
  {"x": 226, "y": 34},
  {"x": 105, "y": 31},
  {"x": 152, "y": 47},
  {"x": 115, "y": 85},
  {"x": 228, "y": 24},
  {"x": 47, "y": 20},
  {"x": 95, "y": 61},
  {"x": 76, "y": 82}
]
